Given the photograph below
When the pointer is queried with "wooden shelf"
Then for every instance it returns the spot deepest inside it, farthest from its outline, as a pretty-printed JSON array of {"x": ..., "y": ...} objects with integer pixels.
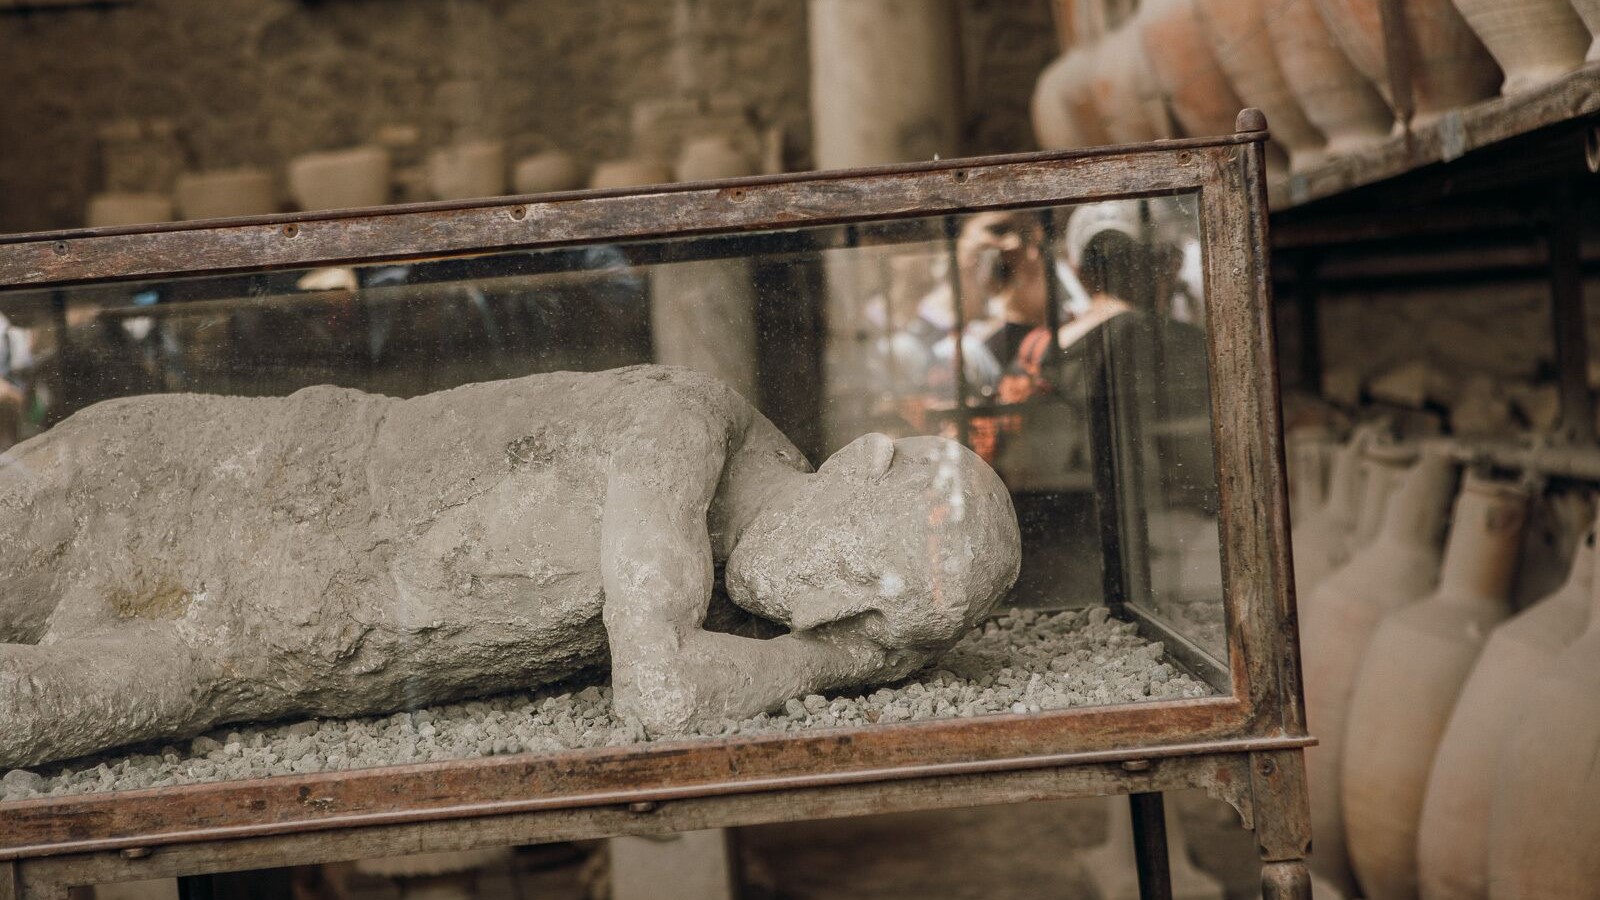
[{"x": 1457, "y": 133}]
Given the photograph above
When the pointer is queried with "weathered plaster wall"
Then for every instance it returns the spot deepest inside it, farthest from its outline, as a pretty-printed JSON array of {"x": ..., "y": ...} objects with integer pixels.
[{"x": 239, "y": 82}]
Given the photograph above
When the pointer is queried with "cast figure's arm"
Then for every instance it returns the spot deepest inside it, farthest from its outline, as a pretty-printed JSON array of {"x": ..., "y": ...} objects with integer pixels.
[{"x": 657, "y": 572}]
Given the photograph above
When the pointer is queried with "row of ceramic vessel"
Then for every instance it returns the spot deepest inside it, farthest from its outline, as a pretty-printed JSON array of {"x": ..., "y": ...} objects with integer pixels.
[
  {"x": 364, "y": 176},
  {"x": 1457, "y": 739},
  {"x": 1317, "y": 68}
]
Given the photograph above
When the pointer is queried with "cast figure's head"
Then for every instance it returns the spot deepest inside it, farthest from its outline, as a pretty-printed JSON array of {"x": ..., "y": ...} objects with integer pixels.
[{"x": 909, "y": 542}]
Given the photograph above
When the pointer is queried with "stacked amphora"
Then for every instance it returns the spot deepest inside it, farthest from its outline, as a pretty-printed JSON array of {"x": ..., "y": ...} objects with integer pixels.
[
  {"x": 1410, "y": 677},
  {"x": 1543, "y": 828},
  {"x": 1453, "y": 846},
  {"x": 1397, "y": 568}
]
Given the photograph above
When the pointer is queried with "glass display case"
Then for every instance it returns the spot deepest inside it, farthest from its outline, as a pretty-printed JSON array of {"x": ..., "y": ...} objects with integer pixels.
[{"x": 386, "y": 518}]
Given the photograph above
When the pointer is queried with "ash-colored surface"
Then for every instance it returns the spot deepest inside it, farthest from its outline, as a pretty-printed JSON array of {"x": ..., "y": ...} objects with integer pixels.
[{"x": 1023, "y": 662}]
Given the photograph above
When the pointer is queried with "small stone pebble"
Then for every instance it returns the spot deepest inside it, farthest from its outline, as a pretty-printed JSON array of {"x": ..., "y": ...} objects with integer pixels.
[{"x": 1022, "y": 662}]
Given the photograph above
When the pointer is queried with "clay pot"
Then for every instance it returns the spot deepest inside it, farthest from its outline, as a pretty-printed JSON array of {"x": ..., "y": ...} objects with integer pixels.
[
  {"x": 1319, "y": 543},
  {"x": 546, "y": 173},
  {"x": 340, "y": 179},
  {"x": 1121, "y": 85},
  {"x": 1186, "y": 69},
  {"x": 224, "y": 193},
  {"x": 707, "y": 158},
  {"x": 1064, "y": 114},
  {"x": 1383, "y": 468},
  {"x": 111, "y": 210},
  {"x": 1589, "y": 12},
  {"x": 1308, "y": 451},
  {"x": 1393, "y": 571},
  {"x": 1534, "y": 41},
  {"x": 1053, "y": 125},
  {"x": 1543, "y": 829},
  {"x": 623, "y": 173},
  {"x": 1413, "y": 672},
  {"x": 1238, "y": 33},
  {"x": 468, "y": 171},
  {"x": 1451, "y": 67},
  {"x": 1333, "y": 94},
  {"x": 1453, "y": 844}
]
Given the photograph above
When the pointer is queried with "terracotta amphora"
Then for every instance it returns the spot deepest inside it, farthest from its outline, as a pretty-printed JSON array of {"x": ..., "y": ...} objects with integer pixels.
[
  {"x": 1308, "y": 451},
  {"x": 1321, "y": 534},
  {"x": 1186, "y": 68},
  {"x": 1411, "y": 675},
  {"x": 1383, "y": 467},
  {"x": 1064, "y": 114},
  {"x": 1543, "y": 824},
  {"x": 1335, "y": 95},
  {"x": 1398, "y": 568},
  {"x": 1589, "y": 11},
  {"x": 1238, "y": 33},
  {"x": 1453, "y": 843},
  {"x": 1534, "y": 41},
  {"x": 1451, "y": 67},
  {"x": 1119, "y": 86}
]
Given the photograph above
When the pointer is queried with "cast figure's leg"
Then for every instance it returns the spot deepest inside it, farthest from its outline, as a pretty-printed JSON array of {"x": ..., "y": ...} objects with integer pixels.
[
  {"x": 1283, "y": 823},
  {"x": 136, "y": 681}
]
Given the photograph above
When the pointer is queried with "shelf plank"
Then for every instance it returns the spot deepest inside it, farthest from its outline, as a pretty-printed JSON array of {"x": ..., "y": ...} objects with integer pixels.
[{"x": 1574, "y": 96}]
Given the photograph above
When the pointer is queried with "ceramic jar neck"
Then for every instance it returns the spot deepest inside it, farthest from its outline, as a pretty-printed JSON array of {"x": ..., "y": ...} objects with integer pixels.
[
  {"x": 1421, "y": 502},
  {"x": 1344, "y": 481},
  {"x": 1481, "y": 556},
  {"x": 1381, "y": 471}
]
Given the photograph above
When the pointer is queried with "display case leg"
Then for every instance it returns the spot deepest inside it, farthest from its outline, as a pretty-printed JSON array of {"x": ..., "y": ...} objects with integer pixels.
[
  {"x": 1150, "y": 846},
  {"x": 1286, "y": 880},
  {"x": 1283, "y": 823}
]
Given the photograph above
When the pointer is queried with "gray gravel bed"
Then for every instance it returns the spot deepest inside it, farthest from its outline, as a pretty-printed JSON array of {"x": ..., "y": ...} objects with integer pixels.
[{"x": 1025, "y": 661}]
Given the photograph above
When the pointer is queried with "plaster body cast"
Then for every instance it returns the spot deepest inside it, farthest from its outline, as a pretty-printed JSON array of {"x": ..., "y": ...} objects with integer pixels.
[{"x": 172, "y": 563}]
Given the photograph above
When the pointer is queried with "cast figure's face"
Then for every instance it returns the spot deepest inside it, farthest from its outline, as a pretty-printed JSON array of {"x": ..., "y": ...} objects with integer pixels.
[{"x": 907, "y": 542}]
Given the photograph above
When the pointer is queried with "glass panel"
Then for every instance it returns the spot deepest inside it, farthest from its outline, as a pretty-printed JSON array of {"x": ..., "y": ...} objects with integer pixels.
[{"x": 336, "y": 579}]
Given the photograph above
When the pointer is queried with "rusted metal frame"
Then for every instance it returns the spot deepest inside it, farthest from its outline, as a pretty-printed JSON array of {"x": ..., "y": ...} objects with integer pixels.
[
  {"x": 1124, "y": 726},
  {"x": 561, "y": 220},
  {"x": 471, "y": 789},
  {"x": 754, "y": 181},
  {"x": 1246, "y": 429},
  {"x": 1224, "y": 776},
  {"x": 1148, "y": 813},
  {"x": 1308, "y": 321},
  {"x": 1568, "y": 320},
  {"x": 1282, "y": 824}
]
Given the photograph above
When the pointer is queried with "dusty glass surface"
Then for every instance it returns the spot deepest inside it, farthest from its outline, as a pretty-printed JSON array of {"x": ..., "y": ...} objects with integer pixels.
[{"x": 1066, "y": 347}]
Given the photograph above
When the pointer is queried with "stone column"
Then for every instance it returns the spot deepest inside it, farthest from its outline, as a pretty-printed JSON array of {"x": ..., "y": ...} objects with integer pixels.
[
  {"x": 885, "y": 88},
  {"x": 885, "y": 77},
  {"x": 703, "y": 312}
]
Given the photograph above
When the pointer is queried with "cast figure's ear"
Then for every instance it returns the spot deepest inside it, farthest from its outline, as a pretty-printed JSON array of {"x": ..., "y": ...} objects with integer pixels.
[{"x": 867, "y": 457}]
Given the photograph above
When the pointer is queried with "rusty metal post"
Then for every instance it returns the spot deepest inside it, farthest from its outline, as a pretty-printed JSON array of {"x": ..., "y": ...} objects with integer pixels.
[
  {"x": 1150, "y": 846},
  {"x": 1563, "y": 237}
]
